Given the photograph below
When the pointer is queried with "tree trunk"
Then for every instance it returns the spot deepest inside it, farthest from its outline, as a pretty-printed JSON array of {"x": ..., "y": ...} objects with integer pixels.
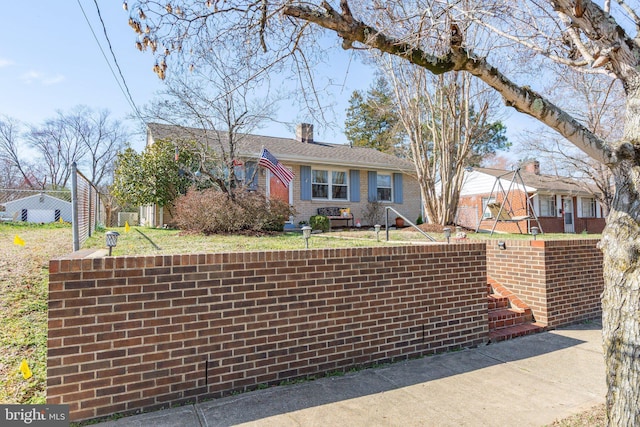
[{"x": 621, "y": 299}]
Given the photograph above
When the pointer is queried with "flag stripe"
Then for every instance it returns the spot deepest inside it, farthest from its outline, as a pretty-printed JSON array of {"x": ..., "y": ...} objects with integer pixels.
[{"x": 269, "y": 161}]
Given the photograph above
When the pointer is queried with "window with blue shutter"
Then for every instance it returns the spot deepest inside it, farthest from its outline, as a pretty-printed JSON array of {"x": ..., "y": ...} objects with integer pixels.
[
  {"x": 354, "y": 183},
  {"x": 397, "y": 188},
  {"x": 305, "y": 182}
]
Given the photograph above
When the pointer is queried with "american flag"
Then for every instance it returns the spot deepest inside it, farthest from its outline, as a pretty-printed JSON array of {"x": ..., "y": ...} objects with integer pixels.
[{"x": 270, "y": 162}]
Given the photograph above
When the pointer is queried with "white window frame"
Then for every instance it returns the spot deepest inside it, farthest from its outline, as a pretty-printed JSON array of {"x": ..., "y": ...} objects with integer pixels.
[
  {"x": 591, "y": 205},
  {"x": 547, "y": 201},
  {"x": 330, "y": 184},
  {"x": 390, "y": 175}
]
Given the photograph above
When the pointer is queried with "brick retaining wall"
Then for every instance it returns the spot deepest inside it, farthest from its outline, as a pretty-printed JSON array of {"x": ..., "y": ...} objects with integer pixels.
[
  {"x": 133, "y": 333},
  {"x": 561, "y": 280}
]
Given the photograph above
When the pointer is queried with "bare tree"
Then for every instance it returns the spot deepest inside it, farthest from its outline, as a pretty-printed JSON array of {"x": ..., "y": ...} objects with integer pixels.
[
  {"x": 446, "y": 120},
  {"x": 572, "y": 33},
  {"x": 100, "y": 138},
  {"x": 598, "y": 103},
  {"x": 58, "y": 147},
  {"x": 10, "y": 146},
  {"x": 223, "y": 104}
]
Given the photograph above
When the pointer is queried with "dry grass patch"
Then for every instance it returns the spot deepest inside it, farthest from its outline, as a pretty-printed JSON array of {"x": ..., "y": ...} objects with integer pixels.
[
  {"x": 24, "y": 272},
  {"x": 594, "y": 417}
]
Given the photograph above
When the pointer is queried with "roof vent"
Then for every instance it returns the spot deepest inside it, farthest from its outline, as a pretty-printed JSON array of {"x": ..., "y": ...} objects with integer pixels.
[{"x": 304, "y": 132}]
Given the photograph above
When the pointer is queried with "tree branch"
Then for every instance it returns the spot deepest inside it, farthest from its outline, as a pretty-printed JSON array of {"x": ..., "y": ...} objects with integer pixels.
[
  {"x": 612, "y": 39},
  {"x": 522, "y": 99},
  {"x": 352, "y": 30}
]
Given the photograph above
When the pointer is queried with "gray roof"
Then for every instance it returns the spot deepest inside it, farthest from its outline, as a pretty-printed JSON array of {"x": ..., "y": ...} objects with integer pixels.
[
  {"x": 288, "y": 149},
  {"x": 544, "y": 183}
]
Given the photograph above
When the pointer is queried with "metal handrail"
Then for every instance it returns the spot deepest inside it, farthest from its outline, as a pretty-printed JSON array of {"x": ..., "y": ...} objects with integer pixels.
[{"x": 386, "y": 223}]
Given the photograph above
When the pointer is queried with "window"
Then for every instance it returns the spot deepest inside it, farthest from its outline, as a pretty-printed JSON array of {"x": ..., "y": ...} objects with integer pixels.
[
  {"x": 384, "y": 188},
  {"x": 486, "y": 213},
  {"x": 588, "y": 207},
  {"x": 330, "y": 185},
  {"x": 339, "y": 185},
  {"x": 547, "y": 206},
  {"x": 320, "y": 184},
  {"x": 245, "y": 174}
]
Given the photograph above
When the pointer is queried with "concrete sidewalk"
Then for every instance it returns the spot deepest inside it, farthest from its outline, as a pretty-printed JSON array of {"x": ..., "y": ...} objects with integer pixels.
[{"x": 528, "y": 381}]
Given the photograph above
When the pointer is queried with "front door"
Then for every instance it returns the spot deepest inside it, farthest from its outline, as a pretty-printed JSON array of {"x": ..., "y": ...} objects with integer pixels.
[{"x": 567, "y": 209}]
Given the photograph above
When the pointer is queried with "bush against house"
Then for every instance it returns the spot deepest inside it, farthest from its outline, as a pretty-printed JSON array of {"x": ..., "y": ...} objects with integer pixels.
[{"x": 213, "y": 211}]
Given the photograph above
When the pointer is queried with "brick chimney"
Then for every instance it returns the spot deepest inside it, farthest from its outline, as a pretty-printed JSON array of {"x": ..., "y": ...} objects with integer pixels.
[
  {"x": 531, "y": 166},
  {"x": 304, "y": 132}
]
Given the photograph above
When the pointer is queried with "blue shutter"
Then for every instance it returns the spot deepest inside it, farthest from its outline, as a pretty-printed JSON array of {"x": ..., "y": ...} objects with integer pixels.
[
  {"x": 305, "y": 182},
  {"x": 397, "y": 188},
  {"x": 373, "y": 186},
  {"x": 354, "y": 184}
]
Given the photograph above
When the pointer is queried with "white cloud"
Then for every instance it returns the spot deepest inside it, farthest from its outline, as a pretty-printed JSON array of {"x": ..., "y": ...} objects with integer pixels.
[
  {"x": 42, "y": 78},
  {"x": 5, "y": 62}
]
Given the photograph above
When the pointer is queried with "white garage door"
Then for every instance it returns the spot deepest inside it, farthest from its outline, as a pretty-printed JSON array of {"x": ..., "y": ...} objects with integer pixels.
[{"x": 41, "y": 215}]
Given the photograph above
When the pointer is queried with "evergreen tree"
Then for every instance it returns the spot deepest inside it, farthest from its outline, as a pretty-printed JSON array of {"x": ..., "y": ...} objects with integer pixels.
[{"x": 372, "y": 120}]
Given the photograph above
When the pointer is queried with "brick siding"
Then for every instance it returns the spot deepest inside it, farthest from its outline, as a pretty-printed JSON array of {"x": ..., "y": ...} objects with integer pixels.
[
  {"x": 470, "y": 210},
  {"x": 139, "y": 333},
  {"x": 560, "y": 280}
]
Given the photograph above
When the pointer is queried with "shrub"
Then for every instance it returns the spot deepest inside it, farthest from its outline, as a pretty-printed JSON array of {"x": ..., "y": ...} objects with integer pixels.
[
  {"x": 319, "y": 222},
  {"x": 373, "y": 213},
  {"x": 419, "y": 220},
  {"x": 213, "y": 211}
]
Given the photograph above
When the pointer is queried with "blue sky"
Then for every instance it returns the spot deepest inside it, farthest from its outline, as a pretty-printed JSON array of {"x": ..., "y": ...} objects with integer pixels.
[{"x": 50, "y": 60}]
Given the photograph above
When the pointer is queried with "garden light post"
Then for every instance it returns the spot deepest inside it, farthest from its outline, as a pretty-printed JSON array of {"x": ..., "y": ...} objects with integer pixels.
[
  {"x": 112, "y": 239},
  {"x": 377, "y": 229},
  {"x": 534, "y": 232},
  {"x": 447, "y": 233},
  {"x": 306, "y": 233}
]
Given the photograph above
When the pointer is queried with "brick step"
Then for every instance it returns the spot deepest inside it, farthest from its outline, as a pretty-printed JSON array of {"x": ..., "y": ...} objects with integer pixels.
[
  {"x": 515, "y": 331},
  {"x": 496, "y": 301},
  {"x": 506, "y": 317}
]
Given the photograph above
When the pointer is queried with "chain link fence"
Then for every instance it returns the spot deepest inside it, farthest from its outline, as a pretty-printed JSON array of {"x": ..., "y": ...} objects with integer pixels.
[
  {"x": 87, "y": 209},
  {"x": 81, "y": 207}
]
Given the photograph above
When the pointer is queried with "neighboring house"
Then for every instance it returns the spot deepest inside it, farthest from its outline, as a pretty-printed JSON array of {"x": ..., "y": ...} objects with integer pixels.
[
  {"x": 326, "y": 175},
  {"x": 562, "y": 205},
  {"x": 39, "y": 208}
]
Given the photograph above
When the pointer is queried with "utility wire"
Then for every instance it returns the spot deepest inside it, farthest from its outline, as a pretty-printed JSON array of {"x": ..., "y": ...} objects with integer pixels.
[{"x": 125, "y": 90}]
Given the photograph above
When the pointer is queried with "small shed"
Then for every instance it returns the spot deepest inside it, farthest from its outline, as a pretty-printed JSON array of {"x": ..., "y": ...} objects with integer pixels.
[{"x": 39, "y": 208}]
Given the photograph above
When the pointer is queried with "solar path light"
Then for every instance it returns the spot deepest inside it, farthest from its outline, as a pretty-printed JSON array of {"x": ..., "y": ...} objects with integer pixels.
[
  {"x": 306, "y": 233},
  {"x": 112, "y": 239},
  {"x": 447, "y": 233},
  {"x": 534, "y": 232}
]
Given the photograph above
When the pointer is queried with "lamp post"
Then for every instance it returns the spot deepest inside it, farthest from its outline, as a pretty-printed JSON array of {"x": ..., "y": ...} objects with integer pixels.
[
  {"x": 112, "y": 239},
  {"x": 377, "y": 230},
  {"x": 447, "y": 233},
  {"x": 306, "y": 233}
]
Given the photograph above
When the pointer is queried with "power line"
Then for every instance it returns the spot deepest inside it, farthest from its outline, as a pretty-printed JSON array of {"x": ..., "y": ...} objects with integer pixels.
[{"x": 125, "y": 90}]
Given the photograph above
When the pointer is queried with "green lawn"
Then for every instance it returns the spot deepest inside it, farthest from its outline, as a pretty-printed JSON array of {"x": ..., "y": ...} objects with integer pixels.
[{"x": 147, "y": 241}]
